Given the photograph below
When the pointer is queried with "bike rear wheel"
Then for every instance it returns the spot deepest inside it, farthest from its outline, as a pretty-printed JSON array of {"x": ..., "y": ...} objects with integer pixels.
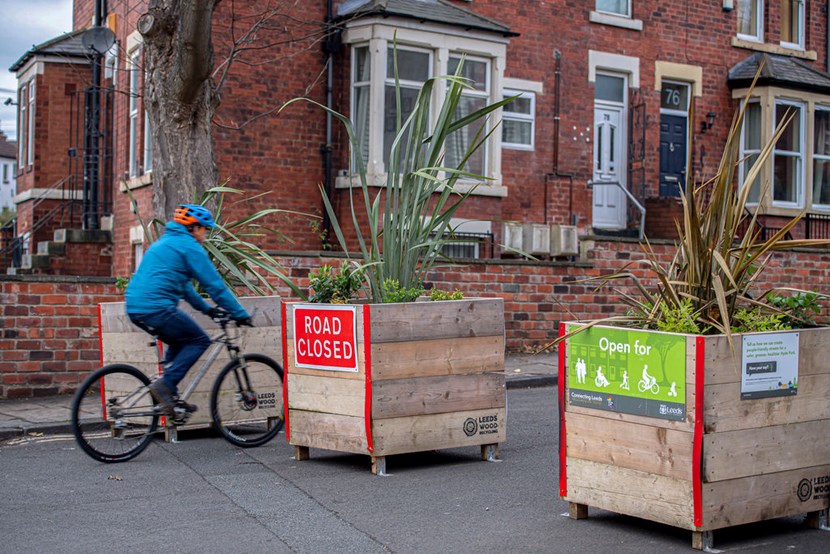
[
  {"x": 246, "y": 402},
  {"x": 112, "y": 414}
]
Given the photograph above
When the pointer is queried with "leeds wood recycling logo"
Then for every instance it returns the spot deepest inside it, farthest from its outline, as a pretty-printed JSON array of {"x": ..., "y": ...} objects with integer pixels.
[{"x": 484, "y": 425}]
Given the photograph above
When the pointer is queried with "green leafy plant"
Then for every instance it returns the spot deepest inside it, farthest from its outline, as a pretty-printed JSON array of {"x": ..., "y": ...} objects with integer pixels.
[
  {"x": 754, "y": 320},
  {"x": 394, "y": 292},
  {"x": 340, "y": 287},
  {"x": 438, "y": 294},
  {"x": 405, "y": 226},
  {"x": 121, "y": 283},
  {"x": 230, "y": 243},
  {"x": 678, "y": 318},
  {"x": 720, "y": 252},
  {"x": 799, "y": 310}
]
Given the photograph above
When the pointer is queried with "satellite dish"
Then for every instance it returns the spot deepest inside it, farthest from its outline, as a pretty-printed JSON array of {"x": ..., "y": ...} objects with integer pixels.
[{"x": 98, "y": 39}]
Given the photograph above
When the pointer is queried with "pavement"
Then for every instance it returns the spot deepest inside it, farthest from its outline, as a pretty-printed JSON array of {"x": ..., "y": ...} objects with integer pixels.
[{"x": 50, "y": 414}]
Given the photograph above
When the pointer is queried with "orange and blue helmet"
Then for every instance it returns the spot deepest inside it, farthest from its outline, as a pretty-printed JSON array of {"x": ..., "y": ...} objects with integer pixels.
[{"x": 193, "y": 214}]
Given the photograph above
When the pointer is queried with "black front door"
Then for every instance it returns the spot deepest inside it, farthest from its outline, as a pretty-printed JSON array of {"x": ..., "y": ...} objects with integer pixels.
[{"x": 672, "y": 154}]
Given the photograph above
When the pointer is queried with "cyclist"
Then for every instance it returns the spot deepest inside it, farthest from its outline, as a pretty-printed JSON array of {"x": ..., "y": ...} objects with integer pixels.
[{"x": 163, "y": 279}]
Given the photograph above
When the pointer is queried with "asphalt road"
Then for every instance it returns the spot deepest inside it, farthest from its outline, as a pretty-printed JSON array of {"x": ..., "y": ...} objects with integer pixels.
[{"x": 205, "y": 495}]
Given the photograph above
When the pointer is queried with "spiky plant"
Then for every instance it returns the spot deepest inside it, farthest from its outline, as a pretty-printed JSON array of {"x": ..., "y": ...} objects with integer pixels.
[
  {"x": 720, "y": 252},
  {"x": 408, "y": 222}
]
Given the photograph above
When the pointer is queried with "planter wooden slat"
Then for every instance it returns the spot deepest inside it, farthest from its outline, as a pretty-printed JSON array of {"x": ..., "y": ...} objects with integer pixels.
[
  {"x": 634, "y": 446},
  {"x": 435, "y": 395},
  {"x": 328, "y": 431},
  {"x": 747, "y": 460},
  {"x": 764, "y": 450},
  {"x": 758, "y": 498},
  {"x": 417, "y": 321},
  {"x": 628, "y": 491},
  {"x": 320, "y": 394},
  {"x": 722, "y": 413},
  {"x": 433, "y": 432},
  {"x": 430, "y": 375},
  {"x": 454, "y": 356}
]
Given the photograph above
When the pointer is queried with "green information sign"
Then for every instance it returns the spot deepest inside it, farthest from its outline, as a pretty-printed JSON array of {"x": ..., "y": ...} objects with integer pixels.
[{"x": 623, "y": 370}]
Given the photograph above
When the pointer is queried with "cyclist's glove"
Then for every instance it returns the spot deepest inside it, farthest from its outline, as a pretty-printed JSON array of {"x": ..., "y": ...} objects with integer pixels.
[
  {"x": 245, "y": 322},
  {"x": 216, "y": 313}
]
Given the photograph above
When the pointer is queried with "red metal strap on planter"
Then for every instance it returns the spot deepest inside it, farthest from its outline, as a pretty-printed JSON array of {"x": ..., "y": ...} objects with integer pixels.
[
  {"x": 697, "y": 456},
  {"x": 285, "y": 370},
  {"x": 563, "y": 466},
  {"x": 101, "y": 350},
  {"x": 367, "y": 355}
]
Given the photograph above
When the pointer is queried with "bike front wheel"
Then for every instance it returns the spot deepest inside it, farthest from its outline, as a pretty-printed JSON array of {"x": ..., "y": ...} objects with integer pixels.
[
  {"x": 112, "y": 414},
  {"x": 246, "y": 402}
]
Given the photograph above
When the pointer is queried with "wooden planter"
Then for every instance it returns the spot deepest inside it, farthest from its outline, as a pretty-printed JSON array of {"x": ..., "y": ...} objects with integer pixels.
[
  {"x": 383, "y": 379},
  {"x": 725, "y": 460},
  {"x": 123, "y": 342}
]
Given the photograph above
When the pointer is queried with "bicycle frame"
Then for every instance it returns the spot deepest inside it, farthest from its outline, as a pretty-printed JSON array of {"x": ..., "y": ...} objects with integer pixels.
[{"x": 222, "y": 338}]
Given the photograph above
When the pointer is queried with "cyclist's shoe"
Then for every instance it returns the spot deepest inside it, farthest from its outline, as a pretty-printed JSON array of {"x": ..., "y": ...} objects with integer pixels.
[
  {"x": 187, "y": 407},
  {"x": 182, "y": 412},
  {"x": 163, "y": 396}
]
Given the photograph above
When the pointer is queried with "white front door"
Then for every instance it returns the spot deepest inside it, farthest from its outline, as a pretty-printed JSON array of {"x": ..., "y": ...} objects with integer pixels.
[{"x": 609, "y": 167}]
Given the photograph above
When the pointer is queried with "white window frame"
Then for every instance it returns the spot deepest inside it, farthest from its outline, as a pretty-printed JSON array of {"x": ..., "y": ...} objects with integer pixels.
[
  {"x": 365, "y": 87},
  {"x": 148, "y": 144},
  {"x": 759, "y": 21},
  {"x": 21, "y": 125},
  {"x": 389, "y": 81},
  {"x": 520, "y": 117},
  {"x": 626, "y": 13},
  {"x": 30, "y": 155},
  {"x": 743, "y": 168},
  {"x": 133, "y": 113},
  {"x": 818, "y": 157},
  {"x": 148, "y": 139},
  {"x": 800, "y": 21},
  {"x": 799, "y": 156},
  {"x": 480, "y": 94},
  {"x": 111, "y": 64}
]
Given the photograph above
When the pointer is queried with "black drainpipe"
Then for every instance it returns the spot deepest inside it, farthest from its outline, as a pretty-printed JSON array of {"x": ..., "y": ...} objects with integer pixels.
[
  {"x": 556, "y": 172},
  {"x": 329, "y": 48}
]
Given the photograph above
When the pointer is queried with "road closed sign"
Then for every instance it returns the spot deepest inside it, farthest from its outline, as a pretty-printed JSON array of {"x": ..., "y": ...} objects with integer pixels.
[{"x": 325, "y": 337}]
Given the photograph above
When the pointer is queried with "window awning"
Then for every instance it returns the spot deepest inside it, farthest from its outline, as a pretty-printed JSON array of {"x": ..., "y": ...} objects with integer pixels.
[
  {"x": 434, "y": 11},
  {"x": 781, "y": 71}
]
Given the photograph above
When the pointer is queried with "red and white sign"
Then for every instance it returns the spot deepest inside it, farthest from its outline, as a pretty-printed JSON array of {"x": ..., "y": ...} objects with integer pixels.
[{"x": 325, "y": 337}]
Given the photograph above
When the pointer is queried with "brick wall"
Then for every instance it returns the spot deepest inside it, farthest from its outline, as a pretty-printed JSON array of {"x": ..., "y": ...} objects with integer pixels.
[
  {"x": 49, "y": 325},
  {"x": 49, "y": 332}
]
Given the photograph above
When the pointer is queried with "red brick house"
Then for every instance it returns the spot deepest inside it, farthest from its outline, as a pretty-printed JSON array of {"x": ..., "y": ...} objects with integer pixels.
[{"x": 622, "y": 101}]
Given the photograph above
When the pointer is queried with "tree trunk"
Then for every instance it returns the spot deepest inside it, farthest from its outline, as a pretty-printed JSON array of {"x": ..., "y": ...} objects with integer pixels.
[{"x": 180, "y": 99}]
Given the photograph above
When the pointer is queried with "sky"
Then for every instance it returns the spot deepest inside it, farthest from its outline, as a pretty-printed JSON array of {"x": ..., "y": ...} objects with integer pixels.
[{"x": 23, "y": 24}]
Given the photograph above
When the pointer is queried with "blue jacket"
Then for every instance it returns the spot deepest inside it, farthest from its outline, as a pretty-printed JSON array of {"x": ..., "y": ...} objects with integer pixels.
[{"x": 165, "y": 274}]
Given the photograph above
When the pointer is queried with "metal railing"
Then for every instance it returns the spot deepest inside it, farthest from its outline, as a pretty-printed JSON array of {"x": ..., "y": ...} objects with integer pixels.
[
  {"x": 630, "y": 196},
  {"x": 468, "y": 245}
]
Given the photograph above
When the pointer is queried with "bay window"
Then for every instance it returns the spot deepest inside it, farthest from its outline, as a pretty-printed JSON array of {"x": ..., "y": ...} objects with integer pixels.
[{"x": 422, "y": 54}]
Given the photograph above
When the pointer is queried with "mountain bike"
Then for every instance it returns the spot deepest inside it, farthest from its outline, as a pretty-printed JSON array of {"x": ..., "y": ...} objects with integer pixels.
[{"x": 114, "y": 416}]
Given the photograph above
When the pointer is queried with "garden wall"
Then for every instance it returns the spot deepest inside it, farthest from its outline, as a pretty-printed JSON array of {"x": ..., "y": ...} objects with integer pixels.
[{"x": 49, "y": 325}]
